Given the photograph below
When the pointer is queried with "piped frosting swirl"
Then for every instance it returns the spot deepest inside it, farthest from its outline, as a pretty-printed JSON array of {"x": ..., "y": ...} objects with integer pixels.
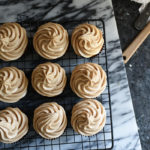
[
  {"x": 13, "y": 125},
  {"x": 49, "y": 79},
  {"x": 13, "y": 84},
  {"x": 13, "y": 41},
  {"x": 87, "y": 40},
  {"x": 51, "y": 40},
  {"x": 88, "y": 80},
  {"x": 50, "y": 120},
  {"x": 88, "y": 117}
]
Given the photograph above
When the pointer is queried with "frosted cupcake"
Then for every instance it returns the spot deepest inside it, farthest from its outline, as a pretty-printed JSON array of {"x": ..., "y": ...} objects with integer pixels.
[
  {"x": 13, "y": 125},
  {"x": 87, "y": 40},
  {"x": 88, "y": 80},
  {"x": 13, "y": 41},
  {"x": 51, "y": 41},
  {"x": 50, "y": 120},
  {"x": 88, "y": 117},
  {"x": 49, "y": 79}
]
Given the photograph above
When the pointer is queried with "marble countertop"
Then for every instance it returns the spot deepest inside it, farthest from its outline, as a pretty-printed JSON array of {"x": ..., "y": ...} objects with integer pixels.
[
  {"x": 138, "y": 72},
  {"x": 125, "y": 129}
]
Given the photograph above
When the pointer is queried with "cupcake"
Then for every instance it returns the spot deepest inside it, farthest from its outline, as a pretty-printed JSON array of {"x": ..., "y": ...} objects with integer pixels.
[
  {"x": 13, "y": 41},
  {"x": 87, "y": 40},
  {"x": 50, "y": 120},
  {"x": 51, "y": 41},
  {"x": 49, "y": 79},
  {"x": 13, "y": 125},
  {"x": 88, "y": 80},
  {"x": 88, "y": 117},
  {"x": 13, "y": 84}
]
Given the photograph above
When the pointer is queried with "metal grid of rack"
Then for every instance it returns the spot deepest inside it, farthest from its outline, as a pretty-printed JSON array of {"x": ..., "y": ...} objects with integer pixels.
[{"x": 70, "y": 139}]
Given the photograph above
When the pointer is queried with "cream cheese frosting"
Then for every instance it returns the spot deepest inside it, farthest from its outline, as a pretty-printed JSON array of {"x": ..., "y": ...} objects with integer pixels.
[
  {"x": 51, "y": 40},
  {"x": 13, "y": 41},
  {"x": 13, "y": 84},
  {"x": 87, "y": 40},
  {"x": 50, "y": 120},
  {"x": 49, "y": 79},
  {"x": 88, "y": 117},
  {"x": 88, "y": 80},
  {"x": 13, "y": 125}
]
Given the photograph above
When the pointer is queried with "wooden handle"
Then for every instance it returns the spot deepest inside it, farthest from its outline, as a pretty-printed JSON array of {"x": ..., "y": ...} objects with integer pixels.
[{"x": 131, "y": 49}]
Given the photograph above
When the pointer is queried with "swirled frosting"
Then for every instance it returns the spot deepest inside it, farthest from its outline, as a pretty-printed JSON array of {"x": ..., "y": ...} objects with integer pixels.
[
  {"x": 13, "y": 84},
  {"x": 13, "y": 125},
  {"x": 88, "y": 80},
  {"x": 88, "y": 117},
  {"x": 50, "y": 120},
  {"x": 87, "y": 40},
  {"x": 49, "y": 79},
  {"x": 13, "y": 41},
  {"x": 51, "y": 41}
]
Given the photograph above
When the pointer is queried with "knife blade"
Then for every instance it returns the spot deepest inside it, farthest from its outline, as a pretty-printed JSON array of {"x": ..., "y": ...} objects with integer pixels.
[{"x": 143, "y": 18}]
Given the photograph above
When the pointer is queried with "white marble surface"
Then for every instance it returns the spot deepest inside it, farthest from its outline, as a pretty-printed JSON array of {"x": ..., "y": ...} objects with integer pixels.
[{"x": 125, "y": 129}]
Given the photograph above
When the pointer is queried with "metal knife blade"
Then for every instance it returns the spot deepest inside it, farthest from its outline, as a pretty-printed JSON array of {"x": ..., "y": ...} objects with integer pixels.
[{"x": 143, "y": 18}]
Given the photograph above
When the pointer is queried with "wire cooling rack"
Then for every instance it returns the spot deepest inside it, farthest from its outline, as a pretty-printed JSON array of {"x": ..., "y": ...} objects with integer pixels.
[{"x": 70, "y": 139}]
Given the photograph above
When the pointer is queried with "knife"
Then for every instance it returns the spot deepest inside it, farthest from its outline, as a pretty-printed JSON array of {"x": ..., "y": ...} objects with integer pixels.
[{"x": 139, "y": 25}]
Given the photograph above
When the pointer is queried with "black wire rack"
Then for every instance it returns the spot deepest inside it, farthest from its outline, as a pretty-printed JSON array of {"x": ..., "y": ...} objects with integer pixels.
[{"x": 70, "y": 139}]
